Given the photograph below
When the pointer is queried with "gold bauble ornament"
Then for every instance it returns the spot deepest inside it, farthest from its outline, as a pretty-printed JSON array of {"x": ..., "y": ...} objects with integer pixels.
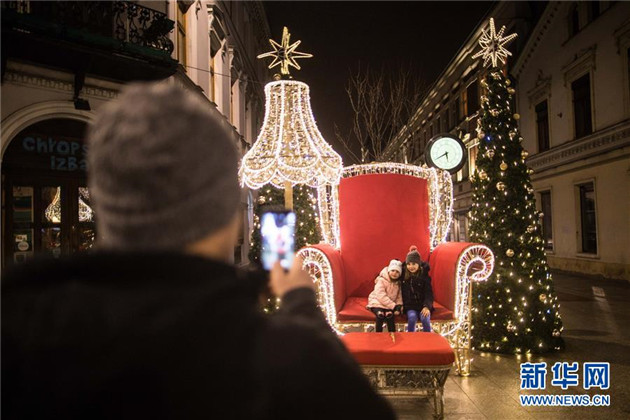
[
  {"x": 542, "y": 297},
  {"x": 556, "y": 333},
  {"x": 500, "y": 186},
  {"x": 517, "y": 116},
  {"x": 511, "y": 327},
  {"x": 483, "y": 174},
  {"x": 503, "y": 166},
  {"x": 524, "y": 154},
  {"x": 481, "y": 135},
  {"x": 507, "y": 82},
  {"x": 494, "y": 112},
  {"x": 490, "y": 153},
  {"x": 261, "y": 199},
  {"x": 541, "y": 215},
  {"x": 511, "y": 91},
  {"x": 509, "y": 253},
  {"x": 531, "y": 228}
]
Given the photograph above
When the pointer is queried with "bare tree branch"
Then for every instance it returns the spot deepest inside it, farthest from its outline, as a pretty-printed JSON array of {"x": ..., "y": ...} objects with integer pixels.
[{"x": 382, "y": 103}]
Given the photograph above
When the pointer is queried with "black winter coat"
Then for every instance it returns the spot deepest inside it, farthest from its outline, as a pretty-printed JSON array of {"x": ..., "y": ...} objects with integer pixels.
[
  {"x": 168, "y": 336},
  {"x": 417, "y": 291}
]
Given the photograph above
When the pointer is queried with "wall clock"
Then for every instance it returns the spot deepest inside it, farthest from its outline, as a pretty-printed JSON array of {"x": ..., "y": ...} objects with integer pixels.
[{"x": 447, "y": 152}]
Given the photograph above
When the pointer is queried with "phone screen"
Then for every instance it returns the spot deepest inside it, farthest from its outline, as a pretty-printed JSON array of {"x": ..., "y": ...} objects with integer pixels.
[{"x": 277, "y": 229}]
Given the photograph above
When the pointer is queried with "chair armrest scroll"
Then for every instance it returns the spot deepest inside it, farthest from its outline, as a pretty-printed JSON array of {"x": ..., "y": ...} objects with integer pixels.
[
  {"x": 325, "y": 265},
  {"x": 453, "y": 266}
]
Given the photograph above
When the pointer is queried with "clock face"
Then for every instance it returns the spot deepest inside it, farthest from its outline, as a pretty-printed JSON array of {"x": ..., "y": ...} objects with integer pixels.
[{"x": 447, "y": 152}]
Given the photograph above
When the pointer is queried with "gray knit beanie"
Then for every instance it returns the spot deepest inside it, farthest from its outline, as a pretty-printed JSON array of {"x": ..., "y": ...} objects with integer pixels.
[
  {"x": 413, "y": 256},
  {"x": 162, "y": 170}
]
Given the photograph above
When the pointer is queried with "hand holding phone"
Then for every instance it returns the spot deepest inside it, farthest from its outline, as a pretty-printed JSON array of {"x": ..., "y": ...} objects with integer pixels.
[
  {"x": 277, "y": 229},
  {"x": 282, "y": 282}
]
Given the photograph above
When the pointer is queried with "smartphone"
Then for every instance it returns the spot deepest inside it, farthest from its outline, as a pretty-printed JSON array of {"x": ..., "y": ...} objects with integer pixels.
[{"x": 277, "y": 230}]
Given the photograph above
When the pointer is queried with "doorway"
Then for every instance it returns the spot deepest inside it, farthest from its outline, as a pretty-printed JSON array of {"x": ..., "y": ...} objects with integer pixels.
[{"x": 46, "y": 202}]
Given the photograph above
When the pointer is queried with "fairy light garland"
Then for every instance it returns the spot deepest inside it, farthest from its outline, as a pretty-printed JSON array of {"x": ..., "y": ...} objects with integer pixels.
[{"x": 289, "y": 147}]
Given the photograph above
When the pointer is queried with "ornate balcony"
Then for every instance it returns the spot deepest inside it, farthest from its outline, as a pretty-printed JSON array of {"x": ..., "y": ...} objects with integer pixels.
[{"x": 119, "y": 40}]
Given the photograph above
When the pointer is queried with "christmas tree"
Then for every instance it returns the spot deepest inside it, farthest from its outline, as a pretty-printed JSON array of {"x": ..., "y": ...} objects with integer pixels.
[
  {"x": 307, "y": 228},
  {"x": 516, "y": 310}
]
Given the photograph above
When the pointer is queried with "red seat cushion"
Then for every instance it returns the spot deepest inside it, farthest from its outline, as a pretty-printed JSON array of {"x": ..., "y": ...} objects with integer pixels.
[
  {"x": 355, "y": 310},
  {"x": 405, "y": 349}
]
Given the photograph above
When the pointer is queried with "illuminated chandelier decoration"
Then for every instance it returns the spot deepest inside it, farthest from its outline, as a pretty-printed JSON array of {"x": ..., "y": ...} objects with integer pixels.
[
  {"x": 290, "y": 149},
  {"x": 492, "y": 45},
  {"x": 53, "y": 210}
]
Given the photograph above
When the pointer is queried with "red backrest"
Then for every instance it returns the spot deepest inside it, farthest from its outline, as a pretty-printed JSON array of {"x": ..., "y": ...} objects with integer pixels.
[{"x": 380, "y": 216}]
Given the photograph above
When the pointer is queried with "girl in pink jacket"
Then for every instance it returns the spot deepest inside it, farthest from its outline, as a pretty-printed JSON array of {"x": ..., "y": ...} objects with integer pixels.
[{"x": 385, "y": 300}]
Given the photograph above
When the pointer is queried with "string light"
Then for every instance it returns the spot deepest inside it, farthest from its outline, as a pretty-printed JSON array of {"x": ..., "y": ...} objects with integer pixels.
[{"x": 289, "y": 147}]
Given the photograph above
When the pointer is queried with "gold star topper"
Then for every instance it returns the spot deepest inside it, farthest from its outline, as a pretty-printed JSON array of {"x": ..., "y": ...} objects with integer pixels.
[
  {"x": 492, "y": 45},
  {"x": 284, "y": 55}
]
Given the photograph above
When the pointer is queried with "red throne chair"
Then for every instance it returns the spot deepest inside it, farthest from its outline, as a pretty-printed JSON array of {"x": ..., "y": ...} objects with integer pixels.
[{"x": 374, "y": 215}]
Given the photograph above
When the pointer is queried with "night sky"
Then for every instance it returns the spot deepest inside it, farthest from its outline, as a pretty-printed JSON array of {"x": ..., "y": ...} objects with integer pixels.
[{"x": 341, "y": 35}]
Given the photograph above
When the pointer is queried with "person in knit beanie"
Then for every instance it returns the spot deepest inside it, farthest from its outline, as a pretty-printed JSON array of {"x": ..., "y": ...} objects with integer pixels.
[
  {"x": 385, "y": 301},
  {"x": 157, "y": 321},
  {"x": 417, "y": 292}
]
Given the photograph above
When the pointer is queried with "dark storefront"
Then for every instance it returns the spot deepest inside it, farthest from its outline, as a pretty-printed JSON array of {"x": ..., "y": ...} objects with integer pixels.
[{"x": 46, "y": 203}]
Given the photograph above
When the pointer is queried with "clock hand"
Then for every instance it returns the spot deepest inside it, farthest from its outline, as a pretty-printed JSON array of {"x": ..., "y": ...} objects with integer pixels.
[{"x": 445, "y": 154}]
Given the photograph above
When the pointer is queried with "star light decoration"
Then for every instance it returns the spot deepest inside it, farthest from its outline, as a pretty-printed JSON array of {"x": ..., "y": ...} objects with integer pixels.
[
  {"x": 284, "y": 55},
  {"x": 290, "y": 149},
  {"x": 492, "y": 45}
]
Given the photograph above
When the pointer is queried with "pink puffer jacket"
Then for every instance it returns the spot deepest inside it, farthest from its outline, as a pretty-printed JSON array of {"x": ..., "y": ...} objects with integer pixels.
[{"x": 386, "y": 293}]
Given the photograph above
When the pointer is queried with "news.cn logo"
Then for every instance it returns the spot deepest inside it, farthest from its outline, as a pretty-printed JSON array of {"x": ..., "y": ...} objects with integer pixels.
[{"x": 565, "y": 375}]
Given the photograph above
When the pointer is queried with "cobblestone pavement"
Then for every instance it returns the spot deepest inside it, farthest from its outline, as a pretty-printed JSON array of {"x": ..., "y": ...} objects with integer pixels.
[{"x": 596, "y": 316}]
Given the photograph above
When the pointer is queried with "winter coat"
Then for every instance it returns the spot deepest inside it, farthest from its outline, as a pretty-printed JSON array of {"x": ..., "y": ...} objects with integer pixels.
[
  {"x": 386, "y": 293},
  {"x": 417, "y": 291},
  {"x": 169, "y": 336}
]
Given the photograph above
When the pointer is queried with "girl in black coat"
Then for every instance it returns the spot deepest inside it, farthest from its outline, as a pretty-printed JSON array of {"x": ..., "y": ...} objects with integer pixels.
[{"x": 417, "y": 292}]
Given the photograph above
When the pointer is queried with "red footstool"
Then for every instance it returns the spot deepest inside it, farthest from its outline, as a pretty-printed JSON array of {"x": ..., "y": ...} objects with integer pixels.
[{"x": 415, "y": 363}]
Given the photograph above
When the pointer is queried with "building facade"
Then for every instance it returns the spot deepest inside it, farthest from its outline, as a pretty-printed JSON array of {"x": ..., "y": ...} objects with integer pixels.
[
  {"x": 61, "y": 61},
  {"x": 558, "y": 45},
  {"x": 574, "y": 98}
]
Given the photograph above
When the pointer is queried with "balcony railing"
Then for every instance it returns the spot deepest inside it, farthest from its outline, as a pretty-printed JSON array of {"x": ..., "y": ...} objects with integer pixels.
[{"x": 119, "y": 24}]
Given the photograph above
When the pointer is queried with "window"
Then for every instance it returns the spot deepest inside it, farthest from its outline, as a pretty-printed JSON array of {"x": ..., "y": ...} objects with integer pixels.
[
  {"x": 588, "y": 219},
  {"x": 547, "y": 230},
  {"x": 417, "y": 149},
  {"x": 463, "y": 104},
  {"x": 438, "y": 125},
  {"x": 456, "y": 113},
  {"x": 472, "y": 159},
  {"x": 582, "y": 106},
  {"x": 181, "y": 36},
  {"x": 593, "y": 10},
  {"x": 472, "y": 96},
  {"x": 462, "y": 225},
  {"x": 542, "y": 126},
  {"x": 447, "y": 120},
  {"x": 574, "y": 20}
]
